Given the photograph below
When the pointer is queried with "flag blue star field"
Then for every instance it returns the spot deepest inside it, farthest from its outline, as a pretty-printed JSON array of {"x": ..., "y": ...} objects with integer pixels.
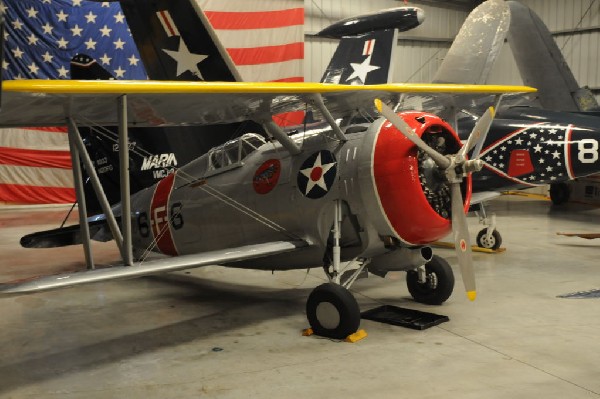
[{"x": 41, "y": 37}]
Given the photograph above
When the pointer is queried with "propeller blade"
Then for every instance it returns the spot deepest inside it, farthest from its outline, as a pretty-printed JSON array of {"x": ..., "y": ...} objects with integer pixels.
[
  {"x": 461, "y": 241},
  {"x": 407, "y": 131},
  {"x": 478, "y": 134}
]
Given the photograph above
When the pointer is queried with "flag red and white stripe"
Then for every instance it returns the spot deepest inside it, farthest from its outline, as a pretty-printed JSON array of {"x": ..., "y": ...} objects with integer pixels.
[
  {"x": 35, "y": 166},
  {"x": 265, "y": 38}
]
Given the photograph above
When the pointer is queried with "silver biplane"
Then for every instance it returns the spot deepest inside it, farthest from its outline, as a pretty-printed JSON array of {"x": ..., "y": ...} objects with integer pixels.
[{"x": 355, "y": 192}]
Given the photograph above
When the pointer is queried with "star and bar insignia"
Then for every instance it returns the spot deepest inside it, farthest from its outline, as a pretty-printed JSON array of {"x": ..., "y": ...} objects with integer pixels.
[{"x": 317, "y": 174}]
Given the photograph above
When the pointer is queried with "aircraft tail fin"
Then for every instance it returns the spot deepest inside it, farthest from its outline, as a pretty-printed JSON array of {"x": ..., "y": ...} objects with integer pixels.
[
  {"x": 542, "y": 64},
  {"x": 177, "y": 42},
  {"x": 363, "y": 60},
  {"x": 365, "y": 53},
  {"x": 84, "y": 67}
]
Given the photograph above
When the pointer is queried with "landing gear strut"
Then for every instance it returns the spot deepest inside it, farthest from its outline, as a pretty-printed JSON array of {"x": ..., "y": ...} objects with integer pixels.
[
  {"x": 331, "y": 309},
  {"x": 432, "y": 283},
  {"x": 488, "y": 237}
]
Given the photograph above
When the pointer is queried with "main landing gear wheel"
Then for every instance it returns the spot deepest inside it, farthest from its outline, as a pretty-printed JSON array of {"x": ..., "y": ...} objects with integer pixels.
[
  {"x": 559, "y": 193},
  {"x": 493, "y": 242},
  {"x": 438, "y": 285},
  {"x": 332, "y": 311}
]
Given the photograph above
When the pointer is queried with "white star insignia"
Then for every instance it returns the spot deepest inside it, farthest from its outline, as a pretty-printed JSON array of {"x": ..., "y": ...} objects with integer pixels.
[
  {"x": 33, "y": 68},
  {"x": 76, "y": 30},
  {"x": 90, "y": 17},
  {"x": 17, "y": 24},
  {"x": 32, "y": 40},
  {"x": 119, "y": 72},
  {"x": 186, "y": 61},
  {"x": 361, "y": 70},
  {"x": 119, "y": 44},
  {"x": 62, "y": 17},
  {"x": 105, "y": 31},
  {"x": 62, "y": 71},
  {"x": 133, "y": 60},
  {"x": 90, "y": 44},
  {"x": 47, "y": 28},
  {"x": 62, "y": 43},
  {"x": 119, "y": 18},
  {"x": 47, "y": 57},
  {"x": 32, "y": 12},
  {"x": 105, "y": 59},
  {"x": 18, "y": 53},
  {"x": 537, "y": 148}
]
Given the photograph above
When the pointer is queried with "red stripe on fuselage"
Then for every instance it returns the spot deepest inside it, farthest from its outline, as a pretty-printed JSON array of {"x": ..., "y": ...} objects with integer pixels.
[
  {"x": 160, "y": 218},
  {"x": 568, "y": 159}
]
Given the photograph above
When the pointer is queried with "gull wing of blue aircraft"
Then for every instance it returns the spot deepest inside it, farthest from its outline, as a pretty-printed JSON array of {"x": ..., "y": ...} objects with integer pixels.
[
  {"x": 533, "y": 140},
  {"x": 373, "y": 194}
]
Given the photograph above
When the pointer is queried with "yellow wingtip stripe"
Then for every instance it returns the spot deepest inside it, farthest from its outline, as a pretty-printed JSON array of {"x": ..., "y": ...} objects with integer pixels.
[{"x": 471, "y": 295}]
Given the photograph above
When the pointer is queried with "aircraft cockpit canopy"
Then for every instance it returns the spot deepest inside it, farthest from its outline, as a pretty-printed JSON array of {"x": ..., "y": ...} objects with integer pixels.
[{"x": 232, "y": 153}]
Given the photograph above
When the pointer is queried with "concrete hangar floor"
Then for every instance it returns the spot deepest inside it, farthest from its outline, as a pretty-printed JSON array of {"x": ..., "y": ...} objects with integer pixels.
[{"x": 224, "y": 333}]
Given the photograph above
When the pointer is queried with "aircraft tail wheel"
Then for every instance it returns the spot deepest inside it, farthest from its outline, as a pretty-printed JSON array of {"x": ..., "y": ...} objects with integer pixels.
[
  {"x": 438, "y": 285},
  {"x": 493, "y": 242},
  {"x": 332, "y": 311},
  {"x": 559, "y": 193}
]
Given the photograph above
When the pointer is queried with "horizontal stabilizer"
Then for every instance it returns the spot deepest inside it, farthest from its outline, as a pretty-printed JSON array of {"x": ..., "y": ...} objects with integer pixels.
[
  {"x": 64, "y": 236},
  {"x": 44, "y": 283}
]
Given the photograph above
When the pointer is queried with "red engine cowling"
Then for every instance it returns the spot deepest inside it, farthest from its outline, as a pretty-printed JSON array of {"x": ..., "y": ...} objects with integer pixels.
[{"x": 413, "y": 193}]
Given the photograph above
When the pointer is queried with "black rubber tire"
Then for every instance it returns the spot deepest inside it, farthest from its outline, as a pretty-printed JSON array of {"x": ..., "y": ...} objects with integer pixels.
[
  {"x": 559, "y": 193},
  {"x": 332, "y": 311},
  {"x": 493, "y": 243},
  {"x": 426, "y": 293}
]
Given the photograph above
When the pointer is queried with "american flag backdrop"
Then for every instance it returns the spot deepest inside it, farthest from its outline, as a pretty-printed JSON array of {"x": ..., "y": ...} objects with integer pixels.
[
  {"x": 41, "y": 37},
  {"x": 263, "y": 37}
]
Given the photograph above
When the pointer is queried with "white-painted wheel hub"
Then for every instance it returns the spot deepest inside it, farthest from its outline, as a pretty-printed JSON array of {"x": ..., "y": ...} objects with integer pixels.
[{"x": 327, "y": 315}]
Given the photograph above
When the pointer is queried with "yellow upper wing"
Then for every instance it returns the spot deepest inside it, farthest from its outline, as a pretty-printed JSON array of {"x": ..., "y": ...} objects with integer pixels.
[{"x": 152, "y": 103}]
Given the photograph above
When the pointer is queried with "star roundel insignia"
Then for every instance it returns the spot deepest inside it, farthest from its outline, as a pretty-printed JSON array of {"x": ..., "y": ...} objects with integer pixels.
[{"x": 317, "y": 174}]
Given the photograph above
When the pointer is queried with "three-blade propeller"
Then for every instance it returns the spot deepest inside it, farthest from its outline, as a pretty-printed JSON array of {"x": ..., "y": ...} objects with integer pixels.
[{"x": 455, "y": 168}]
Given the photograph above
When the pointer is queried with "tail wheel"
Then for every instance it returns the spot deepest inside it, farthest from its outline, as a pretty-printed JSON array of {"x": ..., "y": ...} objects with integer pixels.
[
  {"x": 438, "y": 285},
  {"x": 332, "y": 311},
  {"x": 493, "y": 242}
]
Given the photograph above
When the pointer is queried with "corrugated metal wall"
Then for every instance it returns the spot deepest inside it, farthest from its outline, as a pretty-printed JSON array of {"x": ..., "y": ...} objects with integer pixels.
[{"x": 421, "y": 50}]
